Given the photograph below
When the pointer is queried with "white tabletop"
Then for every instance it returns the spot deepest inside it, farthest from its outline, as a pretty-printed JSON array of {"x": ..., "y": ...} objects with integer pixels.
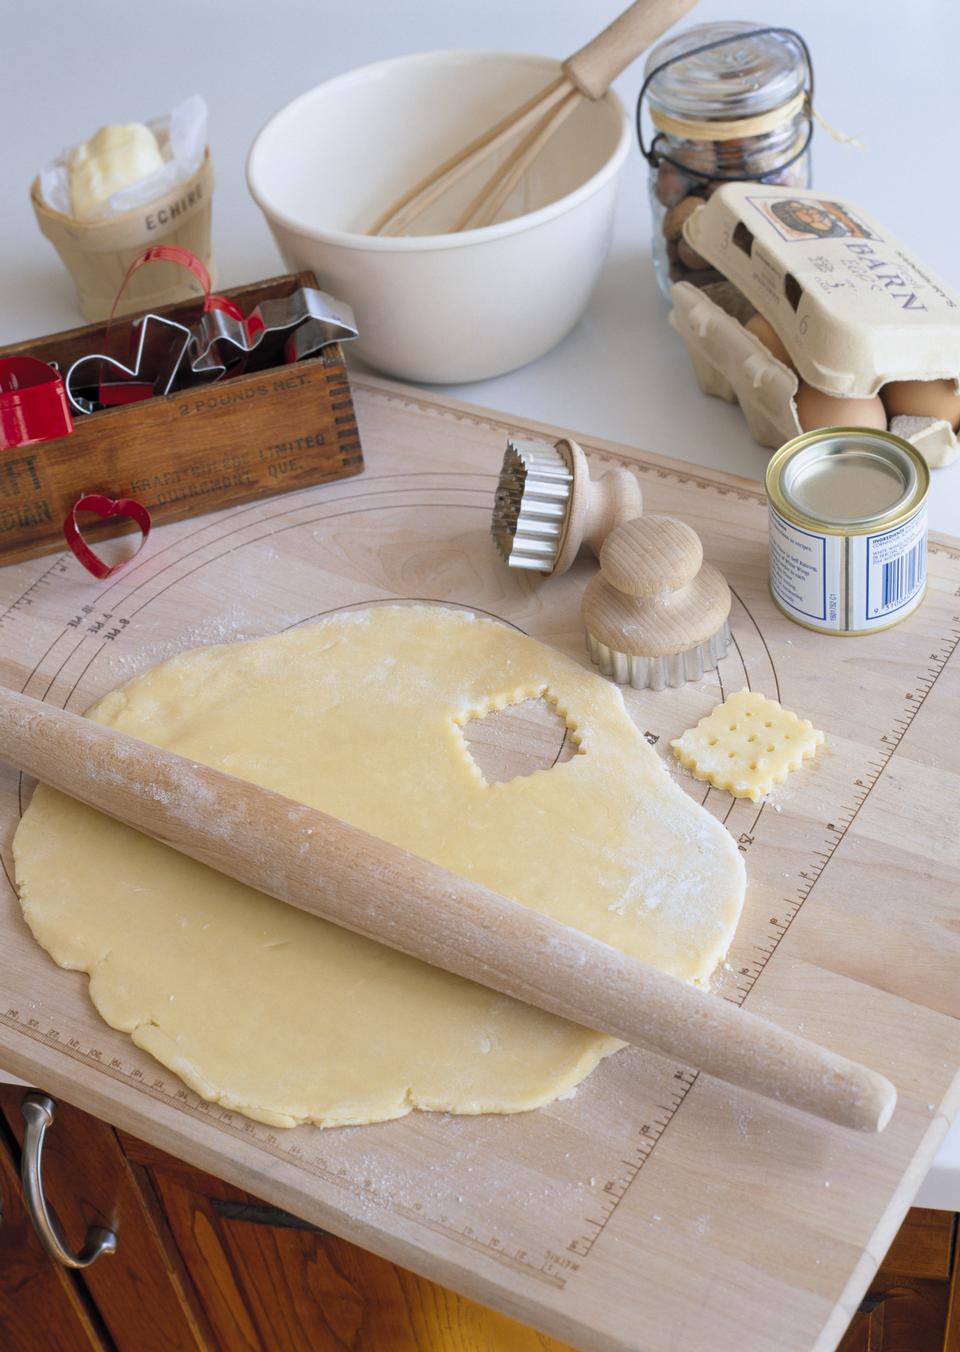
[{"x": 883, "y": 74}]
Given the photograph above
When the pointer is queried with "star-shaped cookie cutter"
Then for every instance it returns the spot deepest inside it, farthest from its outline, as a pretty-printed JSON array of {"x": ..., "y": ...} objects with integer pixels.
[{"x": 281, "y": 330}]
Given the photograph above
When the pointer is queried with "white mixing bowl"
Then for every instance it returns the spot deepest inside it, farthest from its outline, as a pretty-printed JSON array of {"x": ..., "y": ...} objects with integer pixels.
[{"x": 433, "y": 306}]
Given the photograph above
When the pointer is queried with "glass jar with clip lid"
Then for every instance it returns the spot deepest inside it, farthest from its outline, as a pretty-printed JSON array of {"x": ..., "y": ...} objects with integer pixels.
[{"x": 729, "y": 102}]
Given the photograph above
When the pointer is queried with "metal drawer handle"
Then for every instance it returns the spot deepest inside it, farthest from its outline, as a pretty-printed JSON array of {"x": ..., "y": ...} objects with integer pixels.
[{"x": 38, "y": 1112}]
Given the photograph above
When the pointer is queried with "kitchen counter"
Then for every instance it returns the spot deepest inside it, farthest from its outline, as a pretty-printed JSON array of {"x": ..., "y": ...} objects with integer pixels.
[{"x": 622, "y": 374}]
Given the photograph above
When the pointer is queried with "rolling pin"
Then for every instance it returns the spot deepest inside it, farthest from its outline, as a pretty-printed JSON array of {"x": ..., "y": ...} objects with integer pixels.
[{"x": 325, "y": 866}]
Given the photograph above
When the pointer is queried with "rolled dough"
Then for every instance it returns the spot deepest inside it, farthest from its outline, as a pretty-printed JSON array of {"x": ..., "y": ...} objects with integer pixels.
[{"x": 287, "y": 1018}]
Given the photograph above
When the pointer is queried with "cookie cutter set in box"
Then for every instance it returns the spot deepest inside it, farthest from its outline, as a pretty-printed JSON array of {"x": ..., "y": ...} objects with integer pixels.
[{"x": 188, "y": 408}]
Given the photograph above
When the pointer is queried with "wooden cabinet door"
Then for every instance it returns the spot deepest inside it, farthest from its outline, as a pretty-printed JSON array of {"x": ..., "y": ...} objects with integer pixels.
[
  {"x": 272, "y": 1283},
  {"x": 41, "y": 1306},
  {"x": 906, "y": 1318},
  {"x": 204, "y": 1267},
  {"x": 142, "y": 1293},
  {"x": 906, "y": 1308}
]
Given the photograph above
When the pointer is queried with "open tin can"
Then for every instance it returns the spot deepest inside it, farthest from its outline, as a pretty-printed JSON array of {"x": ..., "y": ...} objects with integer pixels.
[{"x": 848, "y": 529}]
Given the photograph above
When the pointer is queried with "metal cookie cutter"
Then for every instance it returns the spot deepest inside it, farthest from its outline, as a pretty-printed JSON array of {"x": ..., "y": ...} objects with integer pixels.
[
  {"x": 160, "y": 347},
  {"x": 656, "y": 615},
  {"x": 284, "y": 329},
  {"x": 547, "y": 506}
]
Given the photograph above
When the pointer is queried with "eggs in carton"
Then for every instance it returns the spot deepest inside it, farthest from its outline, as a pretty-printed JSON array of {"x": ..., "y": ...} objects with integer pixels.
[{"x": 823, "y": 319}]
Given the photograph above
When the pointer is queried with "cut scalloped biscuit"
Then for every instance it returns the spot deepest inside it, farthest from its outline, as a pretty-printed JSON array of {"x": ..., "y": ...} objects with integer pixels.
[{"x": 747, "y": 745}]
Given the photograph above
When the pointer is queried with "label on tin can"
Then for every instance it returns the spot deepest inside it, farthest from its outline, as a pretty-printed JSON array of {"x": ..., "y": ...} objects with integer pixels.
[{"x": 848, "y": 583}]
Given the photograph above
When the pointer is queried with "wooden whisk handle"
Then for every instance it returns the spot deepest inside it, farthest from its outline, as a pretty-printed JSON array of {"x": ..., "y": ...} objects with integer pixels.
[
  {"x": 322, "y": 865},
  {"x": 594, "y": 67}
]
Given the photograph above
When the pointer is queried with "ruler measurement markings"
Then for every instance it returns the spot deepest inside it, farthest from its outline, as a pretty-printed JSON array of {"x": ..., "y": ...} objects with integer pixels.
[
  {"x": 753, "y": 969},
  {"x": 848, "y": 814},
  {"x": 649, "y": 1134},
  {"x": 184, "y": 1100},
  {"x": 26, "y": 597},
  {"x": 583, "y": 1244}
]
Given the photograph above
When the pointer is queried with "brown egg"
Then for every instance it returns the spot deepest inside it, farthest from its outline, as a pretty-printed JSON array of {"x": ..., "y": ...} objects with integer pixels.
[
  {"x": 923, "y": 399},
  {"x": 689, "y": 256},
  {"x": 771, "y": 340},
  {"x": 816, "y": 409}
]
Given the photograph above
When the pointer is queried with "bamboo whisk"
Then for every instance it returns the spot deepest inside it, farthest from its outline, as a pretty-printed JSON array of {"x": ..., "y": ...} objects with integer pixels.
[{"x": 587, "y": 74}]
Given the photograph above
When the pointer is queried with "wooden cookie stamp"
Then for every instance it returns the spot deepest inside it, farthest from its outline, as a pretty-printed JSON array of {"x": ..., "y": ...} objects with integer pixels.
[
  {"x": 547, "y": 507},
  {"x": 656, "y": 614}
]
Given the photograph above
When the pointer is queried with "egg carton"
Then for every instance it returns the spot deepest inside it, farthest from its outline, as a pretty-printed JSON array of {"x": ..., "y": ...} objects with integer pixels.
[{"x": 851, "y": 305}]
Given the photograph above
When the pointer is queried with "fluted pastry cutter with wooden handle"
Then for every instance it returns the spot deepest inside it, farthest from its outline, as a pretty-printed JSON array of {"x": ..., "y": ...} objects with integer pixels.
[
  {"x": 656, "y": 614},
  {"x": 547, "y": 507}
]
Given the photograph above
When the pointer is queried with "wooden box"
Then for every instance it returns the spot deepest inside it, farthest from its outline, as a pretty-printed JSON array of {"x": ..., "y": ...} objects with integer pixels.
[{"x": 189, "y": 452}]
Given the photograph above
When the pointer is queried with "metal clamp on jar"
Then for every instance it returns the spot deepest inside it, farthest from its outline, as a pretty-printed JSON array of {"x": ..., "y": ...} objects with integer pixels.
[{"x": 730, "y": 102}]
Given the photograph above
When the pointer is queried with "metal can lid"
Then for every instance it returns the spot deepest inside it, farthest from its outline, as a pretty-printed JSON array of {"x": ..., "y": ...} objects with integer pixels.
[{"x": 844, "y": 478}]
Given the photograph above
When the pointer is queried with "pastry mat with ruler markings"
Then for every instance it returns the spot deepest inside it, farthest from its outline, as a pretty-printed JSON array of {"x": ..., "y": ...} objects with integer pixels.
[{"x": 654, "y": 1209}]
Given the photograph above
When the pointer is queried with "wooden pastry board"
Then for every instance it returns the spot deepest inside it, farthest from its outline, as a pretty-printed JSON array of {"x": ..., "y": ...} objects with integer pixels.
[{"x": 655, "y": 1209}]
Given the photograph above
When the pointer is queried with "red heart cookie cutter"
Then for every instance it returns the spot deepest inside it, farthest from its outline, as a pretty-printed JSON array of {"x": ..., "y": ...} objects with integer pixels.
[{"x": 104, "y": 507}]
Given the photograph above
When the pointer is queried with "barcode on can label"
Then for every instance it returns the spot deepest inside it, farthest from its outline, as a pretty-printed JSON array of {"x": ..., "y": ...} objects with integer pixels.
[
  {"x": 896, "y": 568},
  {"x": 848, "y": 584}
]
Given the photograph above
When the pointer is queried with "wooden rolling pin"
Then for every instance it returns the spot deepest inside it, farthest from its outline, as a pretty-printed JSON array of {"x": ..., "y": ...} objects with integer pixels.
[{"x": 343, "y": 874}]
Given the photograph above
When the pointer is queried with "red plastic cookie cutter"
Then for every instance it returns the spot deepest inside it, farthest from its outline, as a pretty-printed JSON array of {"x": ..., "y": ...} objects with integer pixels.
[
  {"x": 176, "y": 253},
  {"x": 33, "y": 403}
]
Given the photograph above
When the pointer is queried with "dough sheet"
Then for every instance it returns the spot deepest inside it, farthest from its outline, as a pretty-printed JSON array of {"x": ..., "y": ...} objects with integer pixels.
[{"x": 289, "y": 1019}]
